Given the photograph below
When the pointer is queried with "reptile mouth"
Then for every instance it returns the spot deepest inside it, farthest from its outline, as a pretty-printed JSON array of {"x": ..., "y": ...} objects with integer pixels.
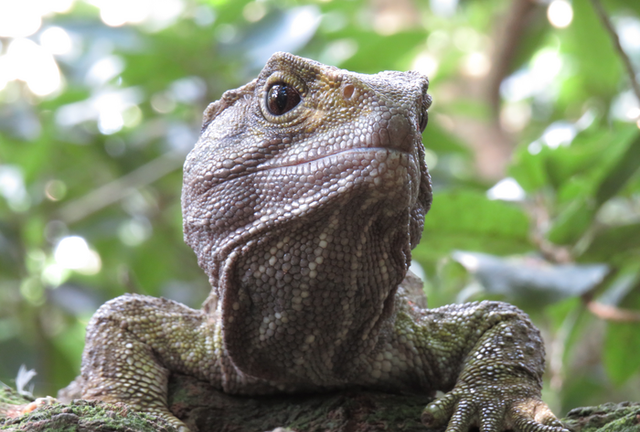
[
  {"x": 307, "y": 166},
  {"x": 361, "y": 150}
]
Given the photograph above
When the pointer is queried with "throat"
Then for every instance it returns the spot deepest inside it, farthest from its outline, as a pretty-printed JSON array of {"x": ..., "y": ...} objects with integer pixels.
[{"x": 296, "y": 306}]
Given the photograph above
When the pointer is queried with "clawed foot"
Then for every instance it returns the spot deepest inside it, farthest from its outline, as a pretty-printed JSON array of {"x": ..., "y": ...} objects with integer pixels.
[{"x": 492, "y": 409}]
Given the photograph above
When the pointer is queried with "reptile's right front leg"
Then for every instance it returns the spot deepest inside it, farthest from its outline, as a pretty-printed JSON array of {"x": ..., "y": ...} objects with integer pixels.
[
  {"x": 134, "y": 342},
  {"x": 489, "y": 358}
]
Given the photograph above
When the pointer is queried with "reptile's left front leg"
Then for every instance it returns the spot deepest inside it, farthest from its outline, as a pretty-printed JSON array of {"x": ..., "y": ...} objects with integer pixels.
[
  {"x": 134, "y": 342},
  {"x": 489, "y": 359}
]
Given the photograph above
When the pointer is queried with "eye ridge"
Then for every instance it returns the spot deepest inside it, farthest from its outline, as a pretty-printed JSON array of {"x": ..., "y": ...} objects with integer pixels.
[{"x": 282, "y": 98}]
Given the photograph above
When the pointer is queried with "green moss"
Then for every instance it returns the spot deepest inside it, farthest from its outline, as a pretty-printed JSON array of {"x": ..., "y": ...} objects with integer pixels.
[
  {"x": 9, "y": 396},
  {"x": 608, "y": 417},
  {"x": 77, "y": 416}
]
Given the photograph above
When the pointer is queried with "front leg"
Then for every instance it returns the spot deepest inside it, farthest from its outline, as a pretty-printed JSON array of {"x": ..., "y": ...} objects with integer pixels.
[
  {"x": 134, "y": 342},
  {"x": 489, "y": 357}
]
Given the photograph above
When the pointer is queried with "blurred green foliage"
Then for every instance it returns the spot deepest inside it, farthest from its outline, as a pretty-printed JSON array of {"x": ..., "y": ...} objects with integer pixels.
[{"x": 533, "y": 145}]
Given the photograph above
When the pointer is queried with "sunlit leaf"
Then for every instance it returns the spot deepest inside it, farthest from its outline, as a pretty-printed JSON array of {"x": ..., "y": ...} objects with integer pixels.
[
  {"x": 529, "y": 169},
  {"x": 621, "y": 354},
  {"x": 597, "y": 61},
  {"x": 610, "y": 242},
  {"x": 571, "y": 223},
  {"x": 437, "y": 139},
  {"x": 627, "y": 165},
  {"x": 470, "y": 221}
]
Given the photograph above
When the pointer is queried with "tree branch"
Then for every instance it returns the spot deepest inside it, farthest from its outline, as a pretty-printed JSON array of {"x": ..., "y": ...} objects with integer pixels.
[
  {"x": 509, "y": 32},
  {"x": 606, "y": 22},
  {"x": 612, "y": 313},
  {"x": 119, "y": 188},
  {"x": 205, "y": 409}
]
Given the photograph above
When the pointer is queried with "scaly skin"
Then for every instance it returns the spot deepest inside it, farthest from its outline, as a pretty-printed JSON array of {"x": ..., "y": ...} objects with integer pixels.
[{"x": 302, "y": 201}]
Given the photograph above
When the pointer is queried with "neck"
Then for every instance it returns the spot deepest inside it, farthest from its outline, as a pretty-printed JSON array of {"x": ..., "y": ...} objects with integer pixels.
[{"x": 322, "y": 286}]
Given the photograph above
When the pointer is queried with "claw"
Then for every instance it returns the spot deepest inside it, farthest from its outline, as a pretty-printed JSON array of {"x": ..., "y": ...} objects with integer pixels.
[
  {"x": 491, "y": 411},
  {"x": 535, "y": 416},
  {"x": 439, "y": 411},
  {"x": 527, "y": 425}
]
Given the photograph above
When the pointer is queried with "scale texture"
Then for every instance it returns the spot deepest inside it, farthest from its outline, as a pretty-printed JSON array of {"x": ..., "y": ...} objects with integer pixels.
[{"x": 302, "y": 200}]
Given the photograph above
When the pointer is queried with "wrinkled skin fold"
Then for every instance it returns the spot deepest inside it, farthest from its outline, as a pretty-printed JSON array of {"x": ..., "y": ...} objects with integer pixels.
[{"x": 302, "y": 200}]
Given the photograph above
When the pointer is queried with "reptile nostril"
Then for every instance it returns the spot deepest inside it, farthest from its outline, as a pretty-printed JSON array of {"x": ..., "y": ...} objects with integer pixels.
[{"x": 348, "y": 90}]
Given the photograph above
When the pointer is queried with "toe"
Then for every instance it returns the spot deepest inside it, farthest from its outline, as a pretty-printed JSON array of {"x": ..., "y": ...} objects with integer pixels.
[
  {"x": 535, "y": 416},
  {"x": 528, "y": 425},
  {"x": 462, "y": 418},
  {"x": 439, "y": 411},
  {"x": 492, "y": 418}
]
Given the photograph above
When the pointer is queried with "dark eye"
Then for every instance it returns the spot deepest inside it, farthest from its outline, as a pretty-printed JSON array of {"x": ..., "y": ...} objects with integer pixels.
[{"x": 282, "y": 98}]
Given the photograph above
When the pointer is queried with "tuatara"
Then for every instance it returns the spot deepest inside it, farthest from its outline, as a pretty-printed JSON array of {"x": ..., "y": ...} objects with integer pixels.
[{"x": 302, "y": 200}]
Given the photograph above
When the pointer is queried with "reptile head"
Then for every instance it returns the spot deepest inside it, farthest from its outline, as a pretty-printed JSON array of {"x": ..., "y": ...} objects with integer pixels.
[
  {"x": 301, "y": 135},
  {"x": 308, "y": 166}
]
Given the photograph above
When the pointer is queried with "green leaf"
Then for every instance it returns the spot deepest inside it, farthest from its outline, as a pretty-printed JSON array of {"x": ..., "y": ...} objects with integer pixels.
[
  {"x": 583, "y": 157},
  {"x": 571, "y": 224},
  {"x": 67, "y": 348},
  {"x": 595, "y": 167},
  {"x": 621, "y": 354},
  {"x": 574, "y": 188},
  {"x": 626, "y": 4},
  {"x": 470, "y": 221},
  {"x": 613, "y": 241},
  {"x": 375, "y": 52},
  {"x": 529, "y": 170},
  {"x": 598, "y": 159},
  {"x": 627, "y": 165},
  {"x": 622, "y": 340},
  {"x": 591, "y": 47},
  {"x": 439, "y": 140},
  {"x": 471, "y": 108},
  {"x": 592, "y": 156}
]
